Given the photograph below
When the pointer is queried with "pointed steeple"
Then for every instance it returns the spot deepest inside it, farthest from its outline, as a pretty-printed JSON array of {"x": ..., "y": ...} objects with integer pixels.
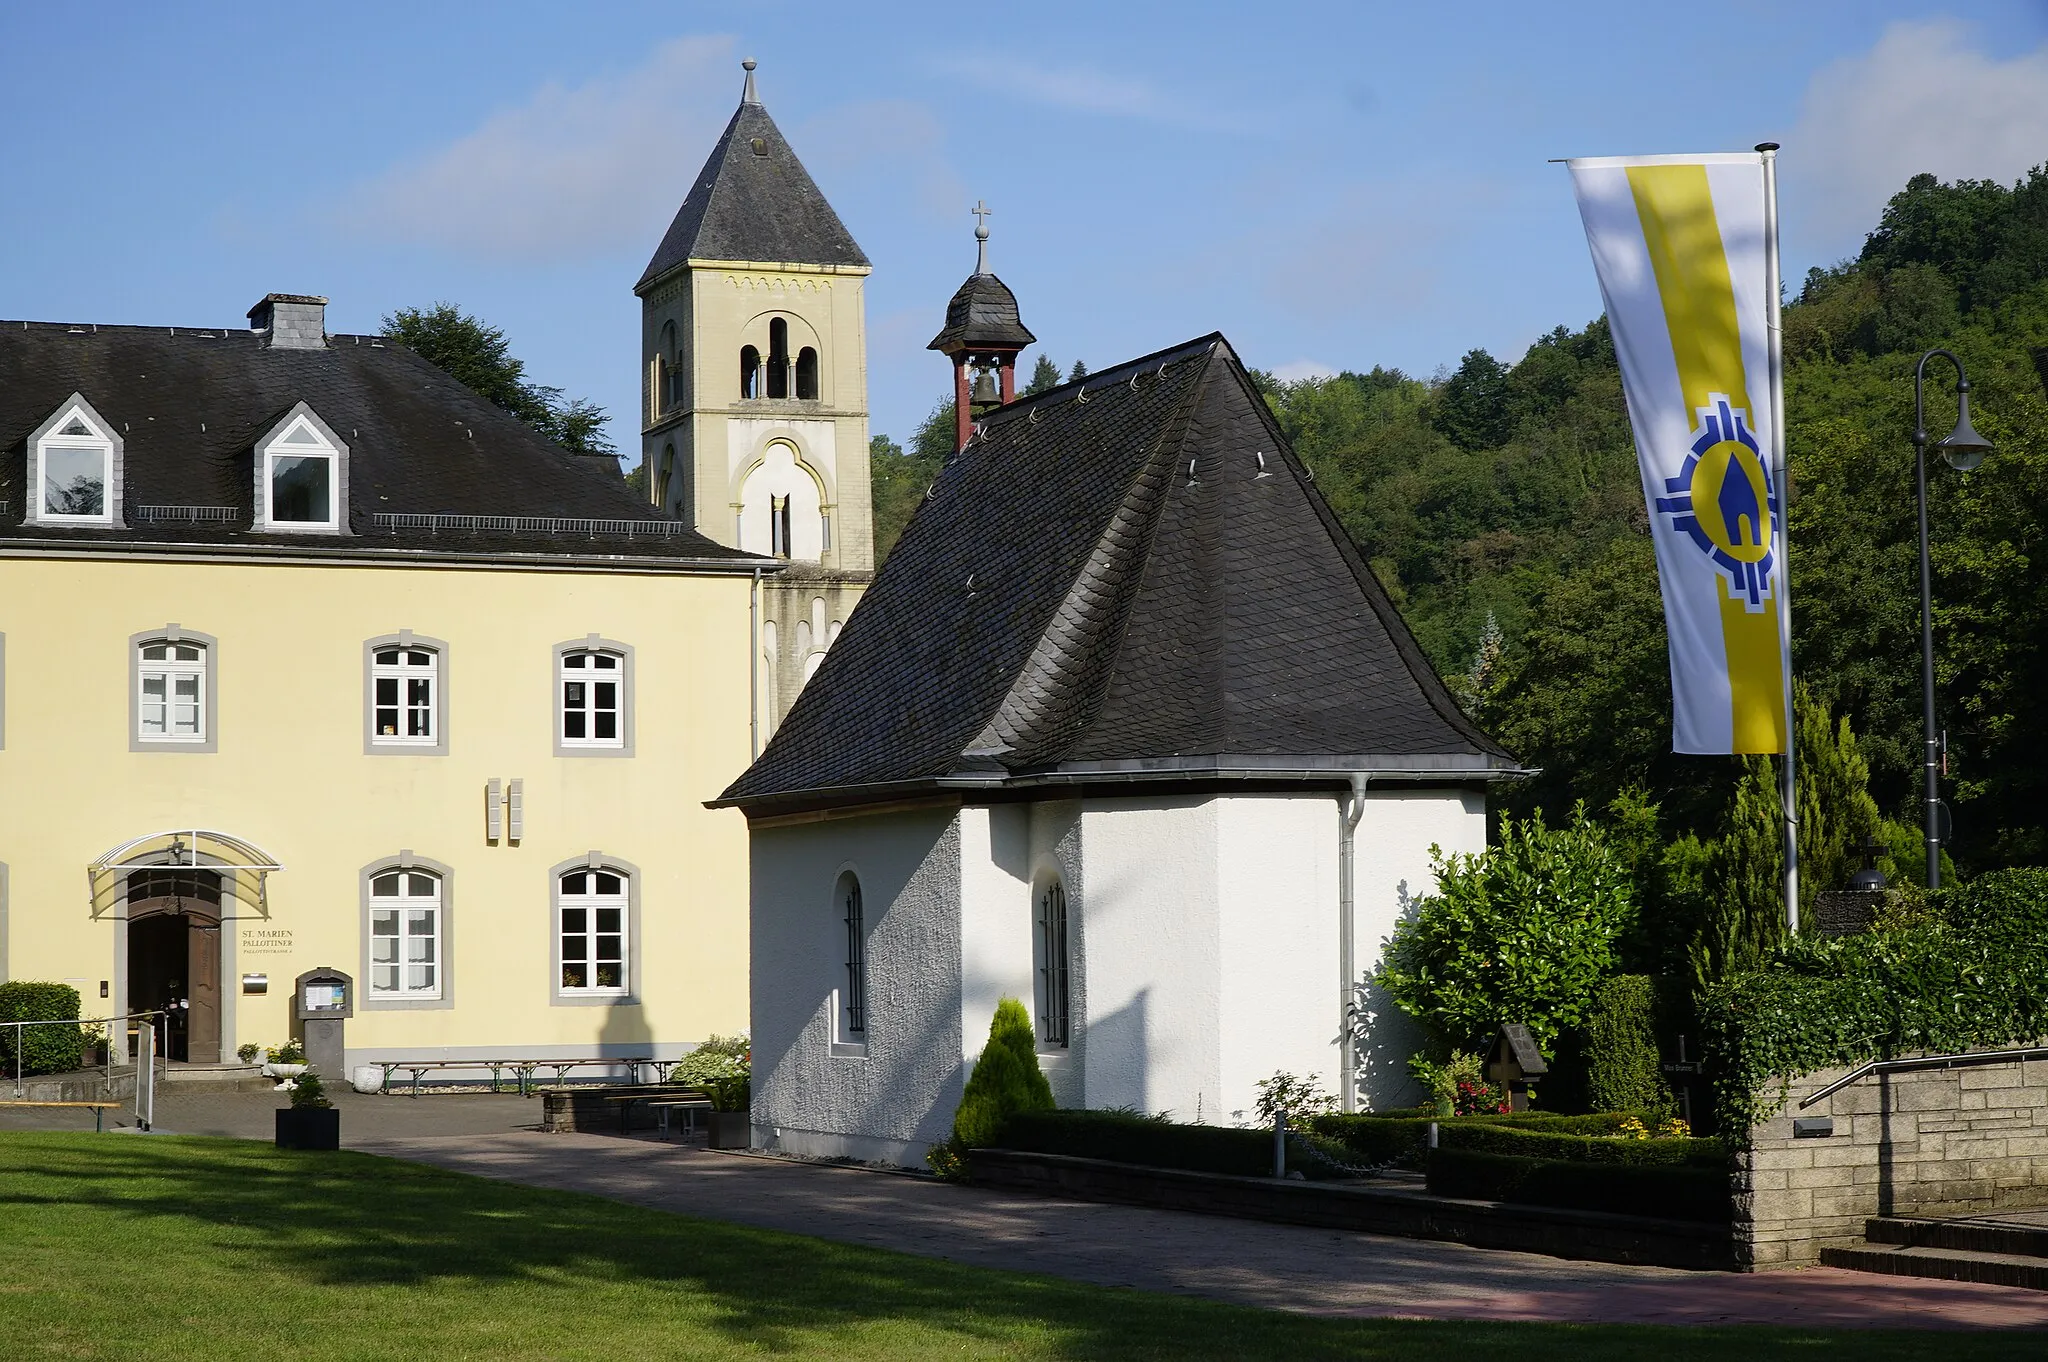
[{"x": 753, "y": 200}]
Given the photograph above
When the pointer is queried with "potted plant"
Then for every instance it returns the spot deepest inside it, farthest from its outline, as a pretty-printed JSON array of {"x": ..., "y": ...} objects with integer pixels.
[
  {"x": 731, "y": 1118},
  {"x": 310, "y": 1122},
  {"x": 252, "y": 1053},
  {"x": 287, "y": 1062}
]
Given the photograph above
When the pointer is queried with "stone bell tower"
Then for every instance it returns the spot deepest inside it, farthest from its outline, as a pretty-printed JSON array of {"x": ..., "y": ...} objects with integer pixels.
[{"x": 754, "y": 422}]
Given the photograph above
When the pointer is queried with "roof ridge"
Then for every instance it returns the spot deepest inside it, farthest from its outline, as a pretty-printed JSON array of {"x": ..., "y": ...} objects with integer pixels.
[
  {"x": 1075, "y": 649},
  {"x": 1122, "y": 372}
]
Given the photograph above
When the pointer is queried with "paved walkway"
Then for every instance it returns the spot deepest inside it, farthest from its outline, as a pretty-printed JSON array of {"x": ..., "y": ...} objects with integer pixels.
[{"x": 1247, "y": 1262}]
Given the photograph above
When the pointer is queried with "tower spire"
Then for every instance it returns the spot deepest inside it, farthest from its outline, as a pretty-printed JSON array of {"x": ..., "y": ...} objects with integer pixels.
[
  {"x": 981, "y": 212},
  {"x": 747, "y": 96}
]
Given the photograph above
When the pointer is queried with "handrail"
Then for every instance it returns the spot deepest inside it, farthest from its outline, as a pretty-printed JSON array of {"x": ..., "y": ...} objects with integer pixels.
[
  {"x": 1967, "y": 1059},
  {"x": 20, "y": 1059}
]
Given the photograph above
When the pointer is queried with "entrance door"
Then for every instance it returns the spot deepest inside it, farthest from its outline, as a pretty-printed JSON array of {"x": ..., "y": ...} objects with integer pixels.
[{"x": 174, "y": 958}]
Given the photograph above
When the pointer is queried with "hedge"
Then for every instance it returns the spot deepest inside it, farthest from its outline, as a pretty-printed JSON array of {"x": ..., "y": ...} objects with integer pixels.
[
  {"x": 1968, "y": 969},
  {"x": 1672, "y": 1192},
  {"x": 1399, "y": 1138},
  {"x": 1605, "y": 1151},
  {"x": 45, "y": 1049},
  {"x": 1149, "y": 1141}
]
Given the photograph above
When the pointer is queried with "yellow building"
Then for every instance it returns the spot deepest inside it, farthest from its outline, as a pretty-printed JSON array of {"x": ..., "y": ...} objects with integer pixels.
[
  {"x": 310, "y": 658},
  {"x": 754, "y": 415}
]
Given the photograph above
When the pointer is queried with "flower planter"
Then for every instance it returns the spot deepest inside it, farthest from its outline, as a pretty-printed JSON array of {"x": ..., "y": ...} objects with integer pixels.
[
  {"x": 730, "y": 1130},
  {"x": 308, "y": 1128}
]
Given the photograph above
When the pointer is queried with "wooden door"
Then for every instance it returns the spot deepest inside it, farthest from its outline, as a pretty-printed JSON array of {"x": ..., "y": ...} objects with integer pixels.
[{"x": 202, "y": 963}]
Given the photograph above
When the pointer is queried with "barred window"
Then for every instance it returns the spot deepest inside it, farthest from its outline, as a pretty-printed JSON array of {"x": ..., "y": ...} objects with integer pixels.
[
  {"x": 856, "y": 958},
  {"x": 1054, "y": 996}
]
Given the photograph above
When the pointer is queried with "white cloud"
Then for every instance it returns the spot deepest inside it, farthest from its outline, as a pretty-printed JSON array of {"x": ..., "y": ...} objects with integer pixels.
[
  {"x": 571, "y": 171},
  {"x": 1077, "y": 89},
  {"x": 1922, "y": 100},
  {"x": 1296, "y": 371}
]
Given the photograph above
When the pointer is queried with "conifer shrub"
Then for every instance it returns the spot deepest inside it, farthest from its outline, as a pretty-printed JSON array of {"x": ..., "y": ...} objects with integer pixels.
[
  {"x": 1006, "y": 1082},
  {"x": 1616, "y": 1051},
  {"x": 42, "y": 1049}
]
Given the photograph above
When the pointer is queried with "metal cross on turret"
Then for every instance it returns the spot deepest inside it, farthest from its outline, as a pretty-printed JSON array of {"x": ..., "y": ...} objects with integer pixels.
[{"x": 981, "y": 212}]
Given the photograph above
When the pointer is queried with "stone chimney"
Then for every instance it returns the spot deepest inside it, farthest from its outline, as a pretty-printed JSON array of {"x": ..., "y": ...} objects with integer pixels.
[{"x": 291, "y": 321}]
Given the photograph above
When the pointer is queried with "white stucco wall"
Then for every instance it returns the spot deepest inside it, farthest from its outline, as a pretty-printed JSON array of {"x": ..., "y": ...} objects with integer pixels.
[
  {"x": 1152, "y": 953},
  {"x": 1392, "y": 870},
  {"x": 995, "y": 917},
  {"x": 1276, "y": 868},
  {"x": 814, "y": 1094}
]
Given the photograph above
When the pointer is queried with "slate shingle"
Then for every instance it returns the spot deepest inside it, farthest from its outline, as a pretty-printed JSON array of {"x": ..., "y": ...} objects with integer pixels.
[
  {"x": 1109, "y": 578},
  {"x": 192, "y": 402}
]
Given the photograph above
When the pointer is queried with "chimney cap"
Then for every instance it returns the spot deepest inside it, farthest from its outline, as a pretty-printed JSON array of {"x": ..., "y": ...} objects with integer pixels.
[{"x": 311, "y": 300}]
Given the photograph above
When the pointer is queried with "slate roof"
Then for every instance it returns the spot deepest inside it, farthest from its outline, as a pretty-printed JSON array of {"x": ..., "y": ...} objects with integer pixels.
[
  {"x": 983, "y": 312},
  {"x": 191, "y": 403},
  {"x": 1130, "y": 576},
  {"x": 753, "y": 200}
]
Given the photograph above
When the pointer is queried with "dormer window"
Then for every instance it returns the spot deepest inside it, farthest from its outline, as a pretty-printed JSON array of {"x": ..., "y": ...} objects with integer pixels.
[
  {"x": 301, "y": 476},
  {"x": 75, "y": 468}
]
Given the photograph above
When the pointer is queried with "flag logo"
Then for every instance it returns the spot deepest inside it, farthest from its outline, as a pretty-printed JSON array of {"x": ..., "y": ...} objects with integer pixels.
[{"x": 1723, "y": 500}]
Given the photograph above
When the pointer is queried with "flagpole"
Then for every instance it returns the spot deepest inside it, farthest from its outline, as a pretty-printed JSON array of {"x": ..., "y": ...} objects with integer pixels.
[{"x": 1788, "y": 785}]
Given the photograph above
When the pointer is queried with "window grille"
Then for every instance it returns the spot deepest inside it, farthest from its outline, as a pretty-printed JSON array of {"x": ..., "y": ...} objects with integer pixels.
[
  {"x": 856, "y": 962},
  {"x": 1052, "y": 937}
]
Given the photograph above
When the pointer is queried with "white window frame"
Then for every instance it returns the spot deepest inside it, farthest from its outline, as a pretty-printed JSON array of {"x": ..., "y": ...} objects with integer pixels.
[
  {"x": 627, "y": 904},
  {"x": 563, "y": 674},
  {"x": 442, "y": 996},
  {"x": 205, "y": 669},
  {"x": 103, "y": 438},
  {"x": 404, "y": 908},
  {"x": 376, "y": 742},
  {"x": 302, "y": 434}
]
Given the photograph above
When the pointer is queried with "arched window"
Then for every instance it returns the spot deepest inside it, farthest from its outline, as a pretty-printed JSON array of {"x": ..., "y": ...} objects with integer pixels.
[
  {"x": 778, "y": 358},
  {"x": 807, "y": 374},
  {"x": 406, "y": 930},
  {"x": 750, "y": 371},
  {"x": 594, "y": 698},
  {"x": 171, "y": 679},
  {"x": 665, "y": 365},
  {"x": 780, "y": 506},
  {"x": 592, "y": 920},
  {"x": 854, "y": 918},
  {"x": 1054, "y": 992},
  {"x": 407, "y": 708},
  {"x": 665, "y": 477}
]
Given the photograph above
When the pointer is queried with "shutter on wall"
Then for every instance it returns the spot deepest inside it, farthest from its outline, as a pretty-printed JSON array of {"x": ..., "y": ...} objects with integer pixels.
[
  {"x": 515, "y": 810},
  {"x": 494, "y": 810}
]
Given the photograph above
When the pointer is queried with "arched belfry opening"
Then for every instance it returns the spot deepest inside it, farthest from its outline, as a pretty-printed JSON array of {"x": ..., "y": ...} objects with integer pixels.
[
  {"x": 778, "y": 358},
  {"x": 983, "y": 337}
]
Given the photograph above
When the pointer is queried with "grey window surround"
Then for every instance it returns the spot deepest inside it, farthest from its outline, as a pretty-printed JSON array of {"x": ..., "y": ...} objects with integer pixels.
[
  {"x": 173, "y": 633},
  {"x": 406, "y": 860},
  {"x": 338, "y": 489},
  {"x": 32, "y": 511},
  {"x": 594, "y": 860},
  {"x": 594, "y": 643},
  {"x": 405, "y": 638}
]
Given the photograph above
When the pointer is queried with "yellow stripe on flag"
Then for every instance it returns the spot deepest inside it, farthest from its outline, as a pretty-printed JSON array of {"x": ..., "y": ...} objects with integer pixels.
[{"x": 1686, "y": 252}]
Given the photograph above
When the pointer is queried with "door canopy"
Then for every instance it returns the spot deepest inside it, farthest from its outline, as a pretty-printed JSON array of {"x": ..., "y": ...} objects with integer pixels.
[{"x": 244, "y": 868}]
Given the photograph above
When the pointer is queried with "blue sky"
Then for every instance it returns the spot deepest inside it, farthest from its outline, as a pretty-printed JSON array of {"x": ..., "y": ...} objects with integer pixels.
[{"x": 1331, "y": 185}]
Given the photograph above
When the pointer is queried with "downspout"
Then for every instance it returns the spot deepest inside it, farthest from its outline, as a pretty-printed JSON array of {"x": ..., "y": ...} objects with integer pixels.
[
  {"x": 754, "y": 666},
  {"x": 1347, "y": 856}
]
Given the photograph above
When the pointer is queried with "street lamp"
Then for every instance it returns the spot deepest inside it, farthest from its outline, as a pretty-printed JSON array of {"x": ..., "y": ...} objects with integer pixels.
[{"x": 1963, "y": 449}]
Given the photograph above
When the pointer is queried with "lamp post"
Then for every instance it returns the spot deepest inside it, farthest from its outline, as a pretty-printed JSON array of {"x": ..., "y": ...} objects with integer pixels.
[{"x": 1963, "y": 449}]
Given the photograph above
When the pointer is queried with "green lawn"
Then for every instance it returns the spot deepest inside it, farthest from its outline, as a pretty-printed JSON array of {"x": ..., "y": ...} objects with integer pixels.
[{"x": 126, "y": 1247}]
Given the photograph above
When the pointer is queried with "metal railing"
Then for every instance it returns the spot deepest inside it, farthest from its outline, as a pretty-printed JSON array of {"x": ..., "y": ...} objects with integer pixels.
[
  {"x": 188, "y": 515},
  {"x": 1966, "y": 1059},
  {"x": 116, "y": 1033},
  {"x": 528, "y": 524}
]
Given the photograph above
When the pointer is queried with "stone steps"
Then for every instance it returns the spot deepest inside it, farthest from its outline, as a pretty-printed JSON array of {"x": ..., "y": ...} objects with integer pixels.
[{"x": 1986, "y": 1252}]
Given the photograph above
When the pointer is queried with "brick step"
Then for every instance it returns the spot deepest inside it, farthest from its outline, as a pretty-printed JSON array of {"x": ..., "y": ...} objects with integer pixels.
[
  {"x": 1948, "y": 1265},
  {"x": 1971, "y": 1236}
]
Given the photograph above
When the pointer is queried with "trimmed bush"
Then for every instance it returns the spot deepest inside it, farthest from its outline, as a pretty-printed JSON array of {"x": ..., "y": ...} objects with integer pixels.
[
  {"x": 44, "y": 1049},
  {"x": 1544, "y": 1143},
  {"x": 1619, "y": 1047},
  {"x": 1128, "y": 1137},
  {"x": 1683, "y": 1191},
  {"x": 1403, "y": 1138},
  {"x": 1006, "y": 1080},
  {"x": 1970, "y": 972}
]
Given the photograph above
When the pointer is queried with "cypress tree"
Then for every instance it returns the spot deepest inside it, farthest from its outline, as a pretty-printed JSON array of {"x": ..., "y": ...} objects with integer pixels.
[{"x": 1005, "y": 1081}]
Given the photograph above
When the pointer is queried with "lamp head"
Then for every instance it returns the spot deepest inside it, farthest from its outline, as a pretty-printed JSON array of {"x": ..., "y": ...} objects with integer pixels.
[{"x": 1964, "y": 448}]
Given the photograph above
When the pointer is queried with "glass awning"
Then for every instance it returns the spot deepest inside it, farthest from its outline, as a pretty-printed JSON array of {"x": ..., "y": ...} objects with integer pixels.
[{"x": 244, "y": 868}]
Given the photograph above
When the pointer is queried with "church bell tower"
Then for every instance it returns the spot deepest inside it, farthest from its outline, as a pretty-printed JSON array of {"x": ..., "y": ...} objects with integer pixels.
[{"x": 754, "y": 423}]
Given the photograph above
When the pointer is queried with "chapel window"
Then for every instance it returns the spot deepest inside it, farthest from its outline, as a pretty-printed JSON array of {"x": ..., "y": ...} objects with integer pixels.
[
  {"x": 1054, "y": 991},
  {"x": 855, "y": 921}
]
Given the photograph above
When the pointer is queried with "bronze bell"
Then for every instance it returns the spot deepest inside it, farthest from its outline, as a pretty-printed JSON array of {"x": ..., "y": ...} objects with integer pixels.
[{"x": 984, "y": 394}]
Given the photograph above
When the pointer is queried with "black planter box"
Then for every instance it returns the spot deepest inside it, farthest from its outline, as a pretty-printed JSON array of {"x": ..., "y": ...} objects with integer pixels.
[
  {"x": 308, "y": 1128},
  {"x": 730, "y": 1130}
]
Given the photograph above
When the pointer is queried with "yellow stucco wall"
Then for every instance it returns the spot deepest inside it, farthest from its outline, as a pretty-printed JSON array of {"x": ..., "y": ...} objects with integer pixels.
[{"x": 290, "y": 775}]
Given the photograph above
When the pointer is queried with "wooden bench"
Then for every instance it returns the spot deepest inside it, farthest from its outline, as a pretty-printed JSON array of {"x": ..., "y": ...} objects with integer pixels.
[
  {"x": 690, "y": 1106},
  {"x": 687, "y": 1100},
  {"x": 523, "y": 1070},
  {"x": 99, "y": 1109}
]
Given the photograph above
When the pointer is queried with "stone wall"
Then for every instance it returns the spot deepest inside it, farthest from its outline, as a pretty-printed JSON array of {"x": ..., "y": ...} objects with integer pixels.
[{"x": 1940, "y": 1142}]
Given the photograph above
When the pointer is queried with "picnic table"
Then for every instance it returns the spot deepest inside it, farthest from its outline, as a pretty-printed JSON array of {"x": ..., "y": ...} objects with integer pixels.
[{"x": 523, "y": 1070}]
